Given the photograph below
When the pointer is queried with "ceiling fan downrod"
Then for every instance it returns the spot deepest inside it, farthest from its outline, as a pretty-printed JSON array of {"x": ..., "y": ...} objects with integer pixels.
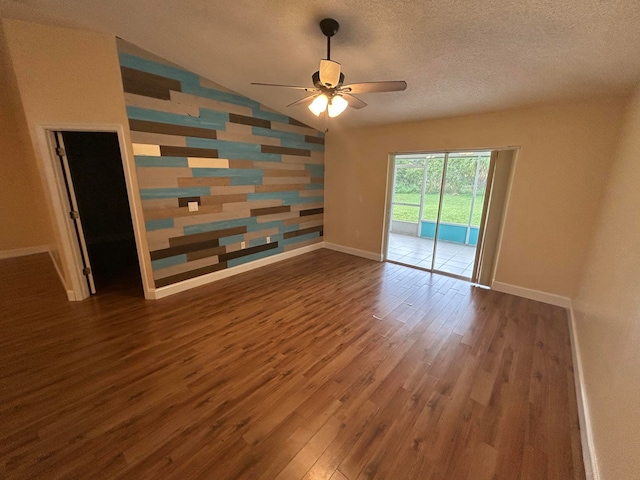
[{"x": 329, "y": 28}]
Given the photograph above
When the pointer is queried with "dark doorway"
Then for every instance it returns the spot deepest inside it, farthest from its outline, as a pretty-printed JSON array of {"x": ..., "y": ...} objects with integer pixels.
[{"x": 95, "y": 166}]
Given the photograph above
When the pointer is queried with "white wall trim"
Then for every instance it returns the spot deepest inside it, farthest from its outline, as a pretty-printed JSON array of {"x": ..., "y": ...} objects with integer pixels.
[
  {"x": 23, "y": 252},
  {"x": 162, "y": 292},
  {"x": 537, "y": 295},
  {"x": 586, "y": 430},
  {"x": 354, "y": 251}
]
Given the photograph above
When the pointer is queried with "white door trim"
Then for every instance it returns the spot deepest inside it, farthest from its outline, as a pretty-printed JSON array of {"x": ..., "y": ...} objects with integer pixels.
[{"x": 55, "y": 191}]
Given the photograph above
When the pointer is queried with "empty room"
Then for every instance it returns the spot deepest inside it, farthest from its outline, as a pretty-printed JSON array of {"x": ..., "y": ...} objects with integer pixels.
[{"x": 319, "y": 240}]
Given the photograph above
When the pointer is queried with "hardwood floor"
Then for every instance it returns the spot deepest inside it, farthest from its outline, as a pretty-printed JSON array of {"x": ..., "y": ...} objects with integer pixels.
[{"x": 325, "y": 366}]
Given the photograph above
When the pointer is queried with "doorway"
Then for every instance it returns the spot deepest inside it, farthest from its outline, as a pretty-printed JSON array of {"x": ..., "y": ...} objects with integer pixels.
[
  {"x": 436, "y": 211},
  {"x": 96, "y": 190}
]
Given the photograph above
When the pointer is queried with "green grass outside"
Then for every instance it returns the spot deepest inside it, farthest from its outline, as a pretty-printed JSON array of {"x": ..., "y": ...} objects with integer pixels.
[{"x": 455, "y": 208}]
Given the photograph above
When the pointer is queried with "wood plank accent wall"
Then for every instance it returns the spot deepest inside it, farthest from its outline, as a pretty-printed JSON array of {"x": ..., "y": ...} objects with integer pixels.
[{"x": 256, "y": 175}]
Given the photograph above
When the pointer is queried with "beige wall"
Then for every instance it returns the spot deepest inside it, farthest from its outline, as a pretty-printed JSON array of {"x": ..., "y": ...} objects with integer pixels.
[
  {"x": 566, "y": 151},
  {"x": 23, "y": 218},
  {"x": 67, "y": 77},
  {"x": 608, "y": 312}
]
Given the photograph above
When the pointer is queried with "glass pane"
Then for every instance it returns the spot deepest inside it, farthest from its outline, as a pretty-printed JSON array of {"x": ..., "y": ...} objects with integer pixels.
[
  {"x": 408, "y": 185},
  {"x": 432, "y": 188},
  {"x": 410, "y": 160},
  {"x": 406, "y": 213},
  {"x": 461, "y": 212}
]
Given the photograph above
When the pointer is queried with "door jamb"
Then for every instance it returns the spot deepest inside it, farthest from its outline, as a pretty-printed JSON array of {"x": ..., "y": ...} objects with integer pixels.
[{"x": 54, "y": 192}]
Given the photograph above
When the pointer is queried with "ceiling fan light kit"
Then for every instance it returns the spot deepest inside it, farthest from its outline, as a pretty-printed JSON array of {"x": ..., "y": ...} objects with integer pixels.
[{"x": 328, "y": 93}]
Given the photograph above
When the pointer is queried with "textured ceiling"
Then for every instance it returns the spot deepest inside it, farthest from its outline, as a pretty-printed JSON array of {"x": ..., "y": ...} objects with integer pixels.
[{"x": 457, "y": 56}]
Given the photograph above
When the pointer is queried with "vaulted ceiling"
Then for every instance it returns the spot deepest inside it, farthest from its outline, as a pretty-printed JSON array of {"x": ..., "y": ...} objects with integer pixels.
[{"x": 457, "y": 57}]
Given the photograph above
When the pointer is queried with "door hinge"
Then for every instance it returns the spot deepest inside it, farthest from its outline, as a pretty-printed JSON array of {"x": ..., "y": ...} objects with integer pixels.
[
  {"x": 60, "y": 151},
  {"x": 74, "y": 215},
  {"x": 86, "y": 271}
]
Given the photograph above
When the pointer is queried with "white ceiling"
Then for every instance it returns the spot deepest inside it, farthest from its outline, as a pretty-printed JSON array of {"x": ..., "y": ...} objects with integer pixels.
[{"x": 457, "y": 56}]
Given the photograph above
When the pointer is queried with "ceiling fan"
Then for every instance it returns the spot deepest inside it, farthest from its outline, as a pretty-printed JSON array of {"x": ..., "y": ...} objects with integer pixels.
[{"x": 329, "y": 93}]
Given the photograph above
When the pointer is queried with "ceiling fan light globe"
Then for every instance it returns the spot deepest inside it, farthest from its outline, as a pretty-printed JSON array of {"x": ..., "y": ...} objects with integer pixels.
[
  {"x": 319, "y": 105},
  {"x": 337, "y": 106}
]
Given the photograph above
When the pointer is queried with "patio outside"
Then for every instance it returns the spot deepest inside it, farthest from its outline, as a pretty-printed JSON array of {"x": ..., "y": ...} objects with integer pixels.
[{"x": 451, "y": 258}]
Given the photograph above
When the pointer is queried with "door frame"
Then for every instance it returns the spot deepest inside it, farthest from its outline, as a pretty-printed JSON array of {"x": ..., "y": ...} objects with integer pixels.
[
  {"x": 55, "y": 192},
  {"x": 389, "y": 198}
]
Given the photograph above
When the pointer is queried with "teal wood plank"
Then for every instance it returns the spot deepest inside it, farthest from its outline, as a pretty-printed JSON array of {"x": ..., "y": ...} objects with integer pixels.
[
  {"x": 159, "y": 224},
  {"x": 138, "y": 113},
  {"x": 156, "y": 193},
  {"x": 150, "y": 161},
  {"x": 168, "y": 262},
  {"x": 149, "y": 66}
]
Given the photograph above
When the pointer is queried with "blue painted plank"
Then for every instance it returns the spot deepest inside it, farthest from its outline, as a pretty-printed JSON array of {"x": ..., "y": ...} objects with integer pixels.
[
  {"x": 231, "y": 239},
  {"x": 138, "y": 113},
  {"x": 214, "y": 116},
  {"x": 146, "y": 161},
  {"x": 155, "y": 193},
  {"x": 137, "y": 63},
  {"x": 316, "y": 170},
  {"x": 314, "y": 186},
  {"x": 159, "y": 224},
  {"x": 168, "y": 262},
  {"x": 234, "y": 150}
]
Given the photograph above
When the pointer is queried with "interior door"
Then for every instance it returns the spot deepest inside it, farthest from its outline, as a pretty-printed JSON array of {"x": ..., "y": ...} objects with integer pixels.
[{"x": 74, "y": 213}]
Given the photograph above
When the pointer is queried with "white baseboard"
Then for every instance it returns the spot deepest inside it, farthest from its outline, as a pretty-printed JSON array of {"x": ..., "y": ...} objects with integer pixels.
[
  {"x": 23, "y": 252},
  {"x": 537, "y": 295},
  {"x": 354, "y": 251},
  {"x": 157, "y": 293},
  {"x": 586, "y": 430}
]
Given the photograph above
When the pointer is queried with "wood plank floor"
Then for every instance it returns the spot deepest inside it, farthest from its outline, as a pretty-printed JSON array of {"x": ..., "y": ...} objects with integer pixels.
[{"x": 325, "y": 366}]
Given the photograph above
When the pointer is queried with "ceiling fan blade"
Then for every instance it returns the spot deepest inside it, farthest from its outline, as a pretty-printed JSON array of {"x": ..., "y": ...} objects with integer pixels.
[
  {"x": 375, "y": 87},
  {"x": 354, "y": 102},
  {"x": 306, "y": 89},
  {"x": 329, "y": 73},
  {"x": 302, "y": 101}
]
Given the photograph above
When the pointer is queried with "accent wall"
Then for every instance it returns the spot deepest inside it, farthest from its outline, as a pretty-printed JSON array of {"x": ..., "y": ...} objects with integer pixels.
[{"x": 223, "y": 180}]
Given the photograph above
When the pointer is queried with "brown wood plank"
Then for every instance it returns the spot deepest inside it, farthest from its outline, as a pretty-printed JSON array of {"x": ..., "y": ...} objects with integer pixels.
[
  {"x": 304, "y": 231},
  {"x": 148, "y": 84},
  {"x": 171, "y": 151},
  {"x": 244, "y": 120},
  {"x": 317, "y": 140},
  {"x": 311, "y": 211},
  {"x": 285, "y": 150},
  {"x": 171, "y": 129},
  {"x": 256, "y": 212},
  {"x": 247, "y": 251},
  {"x": 284, "y": 372},
  {"x": 184, "y": 248},
  {"x": 206, "y": 236}
]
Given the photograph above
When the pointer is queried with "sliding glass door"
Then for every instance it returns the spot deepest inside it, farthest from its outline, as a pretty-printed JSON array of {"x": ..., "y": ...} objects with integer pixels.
[{"x": 436, "y": 210}]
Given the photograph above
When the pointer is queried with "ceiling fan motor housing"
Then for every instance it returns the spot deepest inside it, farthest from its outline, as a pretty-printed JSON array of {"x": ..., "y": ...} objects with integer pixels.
[{"x": 315, "y": 78}]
